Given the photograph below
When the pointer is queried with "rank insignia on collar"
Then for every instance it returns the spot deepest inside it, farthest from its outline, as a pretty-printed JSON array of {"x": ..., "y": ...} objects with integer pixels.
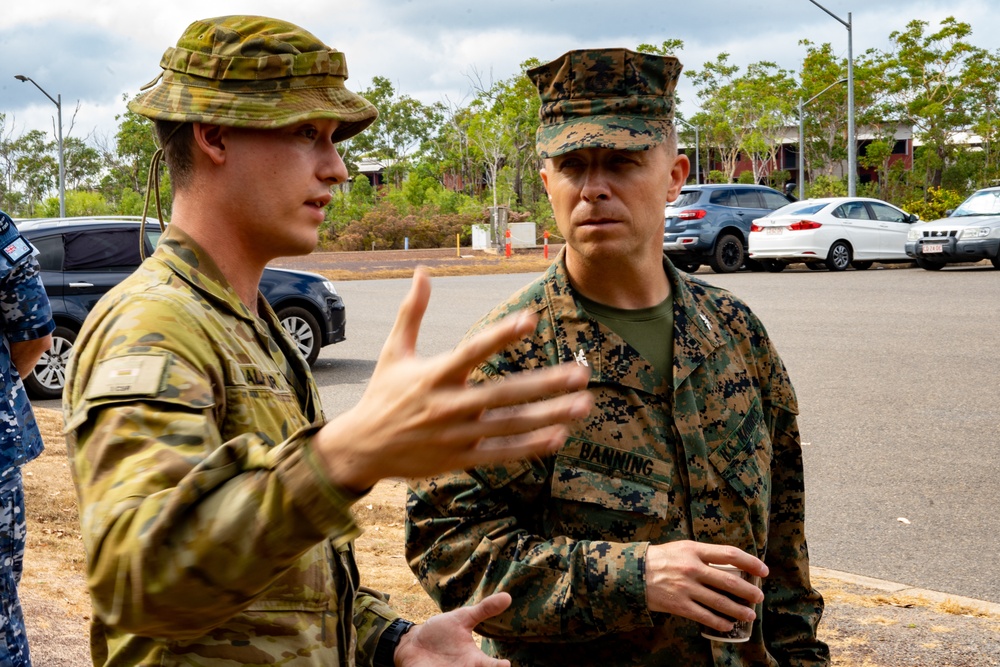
[{"x": 580, "y": 358}]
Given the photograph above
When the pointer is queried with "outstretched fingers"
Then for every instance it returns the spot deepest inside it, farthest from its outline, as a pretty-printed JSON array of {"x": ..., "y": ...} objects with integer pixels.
[{"x": 402, "y": 339}]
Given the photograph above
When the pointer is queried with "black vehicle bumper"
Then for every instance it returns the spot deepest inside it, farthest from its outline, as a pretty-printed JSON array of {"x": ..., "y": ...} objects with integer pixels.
[
  {"x": 335, "y": 321},
  {"x": 953, "y": 249}
]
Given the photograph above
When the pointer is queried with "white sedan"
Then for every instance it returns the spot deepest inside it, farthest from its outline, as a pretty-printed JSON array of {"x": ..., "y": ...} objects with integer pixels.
[{"x": 836, "y": 232}]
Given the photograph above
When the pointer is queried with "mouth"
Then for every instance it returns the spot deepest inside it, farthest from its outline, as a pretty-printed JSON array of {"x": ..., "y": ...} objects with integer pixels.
[
  {"x": 320, "y": 202},
  {"x": 597, "y": 222}
]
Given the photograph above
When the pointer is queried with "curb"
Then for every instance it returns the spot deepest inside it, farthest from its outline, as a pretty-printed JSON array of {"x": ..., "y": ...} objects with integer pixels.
[{"x": 983, "y": 606}]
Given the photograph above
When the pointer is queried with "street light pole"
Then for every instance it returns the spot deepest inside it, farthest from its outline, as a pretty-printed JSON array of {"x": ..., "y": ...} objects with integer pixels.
[
  {"x": 697, "y": 162},
  {"x": 852, "y": 141},
  {"x": 802, "y": 136},
  {"x": 62, "y": 162}
]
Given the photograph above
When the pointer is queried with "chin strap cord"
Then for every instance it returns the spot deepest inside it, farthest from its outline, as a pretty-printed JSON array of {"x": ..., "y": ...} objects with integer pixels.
[{"x": 153, "y": 185}]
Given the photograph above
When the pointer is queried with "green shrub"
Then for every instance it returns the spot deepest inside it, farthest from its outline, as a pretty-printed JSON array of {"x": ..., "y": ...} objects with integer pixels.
[
  {"x": 826, "y": 186},
  {"x": 935, "y": 204}
]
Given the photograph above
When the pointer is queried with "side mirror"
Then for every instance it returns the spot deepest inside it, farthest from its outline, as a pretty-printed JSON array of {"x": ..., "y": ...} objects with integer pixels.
[
  {"x": 948, "y": 213},
  {"x": 913, "y": 217},
  {"x": 790, "y": 188}
]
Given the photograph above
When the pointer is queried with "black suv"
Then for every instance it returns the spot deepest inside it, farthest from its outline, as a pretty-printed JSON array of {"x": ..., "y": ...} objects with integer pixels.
[
  {"x": 82, "y": 258},
  {"x": 711, "y": 223}
]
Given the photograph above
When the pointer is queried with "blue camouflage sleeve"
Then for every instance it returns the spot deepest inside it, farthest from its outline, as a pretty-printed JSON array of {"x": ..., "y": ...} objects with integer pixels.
[{"x": 24, "y": 305}]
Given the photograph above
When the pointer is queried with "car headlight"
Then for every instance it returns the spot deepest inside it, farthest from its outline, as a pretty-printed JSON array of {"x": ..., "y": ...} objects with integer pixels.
[
  {"x": 329, "y": 287},
  {"x": 914, "y": 235},
  {"x": 975, "y": 232}
]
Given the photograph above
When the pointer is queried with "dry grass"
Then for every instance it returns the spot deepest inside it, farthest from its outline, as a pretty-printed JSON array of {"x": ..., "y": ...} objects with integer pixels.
[
  {"x": 864, "y": 628},
  {"x": 466, "y": 266}
]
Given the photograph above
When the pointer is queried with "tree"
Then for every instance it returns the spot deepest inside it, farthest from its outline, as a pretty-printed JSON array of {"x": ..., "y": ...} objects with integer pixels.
[
  {"x": 126, "y": 163},
  {"x": 36, "y": 171},
  {"x": 744, "y": 114},
  {"x": 399, "y": 134},
  {"x": 715, "y": 85},
  {"x": 83, "y": 164},
  {"x": 933, "y": 78}
]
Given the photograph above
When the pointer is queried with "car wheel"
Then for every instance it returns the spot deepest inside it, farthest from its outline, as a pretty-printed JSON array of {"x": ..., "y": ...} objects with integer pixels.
[
  {"x": 773, "y": 265},
  {"x": 303, "y": 328},
  {"x": 48, "y": 378},
  {"x": 839, "y": 257},
  {"x": 753, "y": 265},
  {"x": 928, "y": 265},
  {"x": 688, "y": 267},
  {"x": 996, "y": 261},
  {"x": 862, "y": 266},
  {"x": 728, "y": 255}
]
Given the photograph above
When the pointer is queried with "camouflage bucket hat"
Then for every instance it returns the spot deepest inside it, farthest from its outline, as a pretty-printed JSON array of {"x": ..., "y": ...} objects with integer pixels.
[
  {"x": 255, "y": 72},
  {"x": 604, "y": 98}
]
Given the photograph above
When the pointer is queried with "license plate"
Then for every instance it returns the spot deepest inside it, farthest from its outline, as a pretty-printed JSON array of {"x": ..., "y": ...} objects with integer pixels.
[
  {"x": 931, "y": 247},
  {"x": 774, "y": 230}
]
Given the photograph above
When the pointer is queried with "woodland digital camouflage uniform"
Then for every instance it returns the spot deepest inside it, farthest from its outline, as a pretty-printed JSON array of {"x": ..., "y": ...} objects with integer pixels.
[
  {"x": 711, "y": 455},
  {"x": 607, "y": 98},
  {"x": 24, "y": 315},
  {"x": 212, "y": 534}
]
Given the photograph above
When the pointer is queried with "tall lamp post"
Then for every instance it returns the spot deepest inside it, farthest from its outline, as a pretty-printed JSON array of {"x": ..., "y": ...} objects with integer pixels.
[
  {"x": 802, "y": 136},
  {"x": 62, "y": 162},
  {"x": 852, "y": 141},
  {"x": 697, "y": 162}
]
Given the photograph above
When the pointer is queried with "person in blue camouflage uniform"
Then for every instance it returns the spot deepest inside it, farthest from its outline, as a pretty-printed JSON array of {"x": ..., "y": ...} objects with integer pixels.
[
  {"x": 215, "y": 497},
  {"x": 26, "y": 334},
  {"x": 691, "y": 455}
]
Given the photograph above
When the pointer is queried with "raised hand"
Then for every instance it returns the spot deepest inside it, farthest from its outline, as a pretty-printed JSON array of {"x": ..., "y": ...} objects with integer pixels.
[{"x": 418, "y": 416}]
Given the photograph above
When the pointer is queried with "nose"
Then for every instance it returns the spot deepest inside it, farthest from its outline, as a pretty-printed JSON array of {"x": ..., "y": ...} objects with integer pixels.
[
  {"x": 595, "y": 185},
  {"x": 334, "y": 171}
]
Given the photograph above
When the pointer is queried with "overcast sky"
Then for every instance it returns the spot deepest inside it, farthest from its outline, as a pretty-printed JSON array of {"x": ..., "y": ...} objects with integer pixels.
[{"x": 93, "y": 52}]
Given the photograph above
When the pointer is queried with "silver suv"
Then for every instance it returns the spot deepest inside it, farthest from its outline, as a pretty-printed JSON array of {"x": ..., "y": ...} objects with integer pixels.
[{"x": 969, "y": 234}]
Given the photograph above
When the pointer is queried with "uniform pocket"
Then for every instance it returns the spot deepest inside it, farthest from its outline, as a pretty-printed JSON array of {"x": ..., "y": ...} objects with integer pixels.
[{"x": 600, "y": 492}]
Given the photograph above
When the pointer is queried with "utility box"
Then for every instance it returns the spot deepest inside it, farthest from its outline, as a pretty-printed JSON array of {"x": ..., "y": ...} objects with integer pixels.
[{"x": 523, "y": 234}]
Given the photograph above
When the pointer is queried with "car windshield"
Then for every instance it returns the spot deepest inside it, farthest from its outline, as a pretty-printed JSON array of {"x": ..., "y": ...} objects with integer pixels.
[
  {"x": 798, "y": 208},
  {"x": 981, "y": 203},
  {"x": 685, "y": 199}
]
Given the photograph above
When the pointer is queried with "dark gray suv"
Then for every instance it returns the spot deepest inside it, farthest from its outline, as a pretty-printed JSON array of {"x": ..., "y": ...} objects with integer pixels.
[
  {"x": 711, "y": 224},
  {"x": 82, "y": 258}
]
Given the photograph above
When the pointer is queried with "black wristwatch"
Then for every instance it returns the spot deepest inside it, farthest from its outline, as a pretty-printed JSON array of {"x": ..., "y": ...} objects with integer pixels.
[{"x": 387, "y": 643}]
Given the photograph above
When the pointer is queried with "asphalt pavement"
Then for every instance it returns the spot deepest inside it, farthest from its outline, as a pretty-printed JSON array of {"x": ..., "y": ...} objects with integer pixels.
[{"x": 896, "y": 372}]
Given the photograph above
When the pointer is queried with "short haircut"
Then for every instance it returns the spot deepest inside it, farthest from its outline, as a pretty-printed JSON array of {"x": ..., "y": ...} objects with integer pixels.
[{"x": 176, "y": 139}]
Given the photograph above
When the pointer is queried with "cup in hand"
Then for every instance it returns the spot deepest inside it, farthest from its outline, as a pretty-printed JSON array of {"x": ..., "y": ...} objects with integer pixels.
[{"x": 741, "y": 629}]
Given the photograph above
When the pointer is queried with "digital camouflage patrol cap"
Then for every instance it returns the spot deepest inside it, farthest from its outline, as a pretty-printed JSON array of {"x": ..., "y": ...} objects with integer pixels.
[
  {"x": 255, "y": 72},
  {"x": 604, "y": 98}
]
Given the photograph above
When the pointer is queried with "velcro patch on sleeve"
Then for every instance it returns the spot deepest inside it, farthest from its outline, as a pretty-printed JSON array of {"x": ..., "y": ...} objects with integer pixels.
[{"x": 131, "y": 375}]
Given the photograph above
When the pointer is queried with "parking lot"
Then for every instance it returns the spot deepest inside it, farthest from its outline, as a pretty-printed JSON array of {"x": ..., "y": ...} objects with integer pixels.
[{"x": 898, "y": 376}]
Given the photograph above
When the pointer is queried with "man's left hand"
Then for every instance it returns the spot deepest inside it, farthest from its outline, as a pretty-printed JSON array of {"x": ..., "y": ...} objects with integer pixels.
[{"x": 446, "y": 640}]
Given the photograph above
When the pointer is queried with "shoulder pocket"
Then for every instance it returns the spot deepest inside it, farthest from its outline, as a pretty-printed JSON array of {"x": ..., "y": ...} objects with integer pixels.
[{"x": 744, "y": 456}]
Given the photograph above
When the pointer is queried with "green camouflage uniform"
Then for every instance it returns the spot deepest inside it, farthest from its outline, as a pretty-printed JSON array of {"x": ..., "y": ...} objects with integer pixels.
[
  {"x": 714, "y": 457},
  {"x": 212, "y": 535}
]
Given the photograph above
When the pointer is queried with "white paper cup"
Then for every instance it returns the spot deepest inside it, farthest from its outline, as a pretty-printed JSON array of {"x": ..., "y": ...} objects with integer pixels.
[{"x": 741, "y": 629}]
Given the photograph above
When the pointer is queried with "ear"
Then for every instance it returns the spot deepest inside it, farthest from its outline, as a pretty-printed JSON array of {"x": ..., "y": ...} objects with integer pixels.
[
  {"x": 545, "y": 181},
  {"x": 678, "y": 175},
  {"x": 210, "y": 140}
]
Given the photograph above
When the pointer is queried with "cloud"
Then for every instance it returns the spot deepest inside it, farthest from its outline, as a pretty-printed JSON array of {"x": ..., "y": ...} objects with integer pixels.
[{"x": 96, "y": 51}]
